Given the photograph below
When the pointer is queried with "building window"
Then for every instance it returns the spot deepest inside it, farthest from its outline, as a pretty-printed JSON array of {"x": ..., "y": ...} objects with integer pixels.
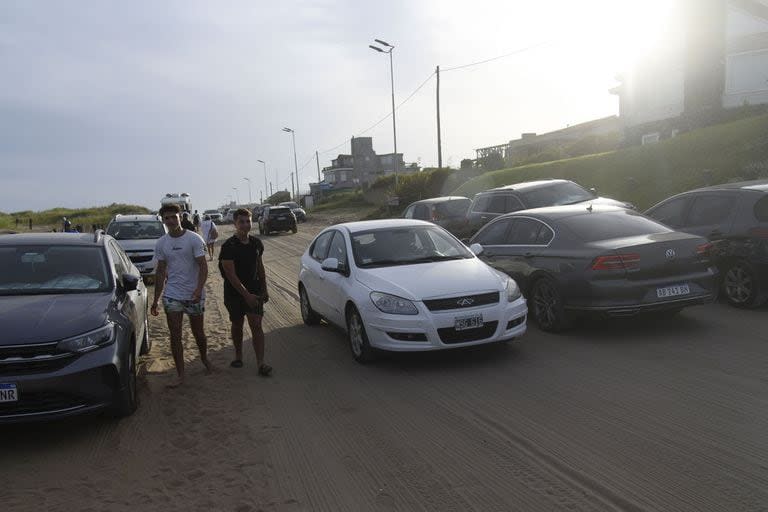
[
  {"x": 330, "y": 177},
  {"x": 650, "y": 138}
]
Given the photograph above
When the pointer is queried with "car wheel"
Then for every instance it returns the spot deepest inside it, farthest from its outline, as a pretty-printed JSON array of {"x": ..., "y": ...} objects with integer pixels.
[
  {"x": 126, "y": 400},
  {"x": 548, "y": 307},
  {"x": 358, "y": 339},
  {"x": 740, "y": 285},
  {"x": 146, "y": 343},
  {"x": 294, "y": 229},
  {"x": 307, "y": 313}
]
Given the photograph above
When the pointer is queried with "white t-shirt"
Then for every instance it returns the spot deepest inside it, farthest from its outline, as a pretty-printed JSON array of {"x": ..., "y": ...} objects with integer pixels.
[
  {"x": 179, "y": 254},
  {"x": 206, "y": 227}
]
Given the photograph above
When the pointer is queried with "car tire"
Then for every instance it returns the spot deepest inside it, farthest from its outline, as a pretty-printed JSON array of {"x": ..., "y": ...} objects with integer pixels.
[
  {"x": 740, "y": 285},
  {"x": 294, "y": 229},
  {"x": 307, "y": 313},
  {"x": 358, "y": 338},
  {"x": 547, "y": 305},
  {"x": 127, "y": 397},
  {"x": 146, "y": 343}
]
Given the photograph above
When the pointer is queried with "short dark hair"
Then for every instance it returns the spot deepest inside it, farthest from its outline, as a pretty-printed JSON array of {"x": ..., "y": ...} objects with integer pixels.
[
  {"x": 169, "y": 208},
  {"x": 242, "y": 212}
]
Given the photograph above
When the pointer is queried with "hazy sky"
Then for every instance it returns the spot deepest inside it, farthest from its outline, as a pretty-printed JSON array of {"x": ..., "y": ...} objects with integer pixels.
[{"x": 105, "y": 101}]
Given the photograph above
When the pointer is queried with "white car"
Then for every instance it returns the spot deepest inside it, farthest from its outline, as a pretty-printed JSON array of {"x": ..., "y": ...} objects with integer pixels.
[
  {"x": 406, "y": 285},
  {"x": 137, "y": 235}
]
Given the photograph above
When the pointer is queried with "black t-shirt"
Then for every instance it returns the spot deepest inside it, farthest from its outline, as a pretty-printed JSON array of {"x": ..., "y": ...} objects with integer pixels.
[{"x": 246, "y": 258}]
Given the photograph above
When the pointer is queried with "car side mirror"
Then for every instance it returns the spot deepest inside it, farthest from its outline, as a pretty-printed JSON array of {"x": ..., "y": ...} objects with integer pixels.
[
  {"x": 331, "y": 265},
  {"x": 593, "y": 190},
  {"x": 130, "y": 282},
  {"x": 476, "y": 249}
]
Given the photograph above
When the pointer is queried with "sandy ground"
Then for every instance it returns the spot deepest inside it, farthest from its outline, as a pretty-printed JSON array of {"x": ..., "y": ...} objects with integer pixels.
[{"x": 633, "y": 415}]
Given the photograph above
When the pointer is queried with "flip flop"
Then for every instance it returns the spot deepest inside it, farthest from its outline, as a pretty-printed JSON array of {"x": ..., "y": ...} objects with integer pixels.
[
  {"x": 236, "y": 364},
  {"x": 265, "y": 370}
]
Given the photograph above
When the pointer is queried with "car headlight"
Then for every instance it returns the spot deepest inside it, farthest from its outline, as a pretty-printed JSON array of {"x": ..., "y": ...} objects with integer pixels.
[
  {"x": 513, "y": 291},
  {"x": 393, "y": 304},
  {"x": 90, "y": 340}
]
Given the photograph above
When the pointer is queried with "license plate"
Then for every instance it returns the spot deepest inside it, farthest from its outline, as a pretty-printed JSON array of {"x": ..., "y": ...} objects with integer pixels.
[
  {"x": 8, "y": 393},
  {"x": 462, "y": 323},
  {"x": 672, "y": 291},
  {"x": 281, "y": 218}
]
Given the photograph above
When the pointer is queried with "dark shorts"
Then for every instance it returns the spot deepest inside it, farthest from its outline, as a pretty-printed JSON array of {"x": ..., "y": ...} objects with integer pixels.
[{"x": 238, "y": 308}]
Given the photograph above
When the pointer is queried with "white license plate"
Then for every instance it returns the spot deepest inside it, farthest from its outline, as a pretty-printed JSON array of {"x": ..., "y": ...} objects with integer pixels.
[
  {"x": 672, "y": 291},
  {"x": 8, "y": 393},
  {"x": 462, "y": 323}
]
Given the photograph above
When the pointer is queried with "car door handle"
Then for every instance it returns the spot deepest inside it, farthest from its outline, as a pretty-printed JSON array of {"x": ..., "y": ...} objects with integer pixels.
[{"x": 528, "y": 255}]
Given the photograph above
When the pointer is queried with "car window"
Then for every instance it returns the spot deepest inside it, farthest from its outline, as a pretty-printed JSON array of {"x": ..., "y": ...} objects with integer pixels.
[
  {"x": 320, "y": 247},
  {"x": 421, "y": 212},
  {"x": 670, "y": 213},
  {"x": 555, "y": 194},
  {"x": 524, "y": 231},
  {"x": 481, "y": 203},
  {"x": 707, "y": 210},
  {"x": 494, "y": 233},
  {"x": 52, "y": 269},
  {"x": 452, "y": 208},
  {"x": 545, "y": 235},
  {"x": 761, "y": 209},
  {"x": 117, "y": 261},
  {"x": 513, "y": 204},
  {"x": 606, "y": 226},
  {"x": 338, "y": 249},
  {"x": 409, "y": 212},
  {"x": 498, "y": 204}
]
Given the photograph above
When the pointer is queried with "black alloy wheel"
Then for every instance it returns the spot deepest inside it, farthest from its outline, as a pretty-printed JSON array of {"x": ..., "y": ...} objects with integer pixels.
[
  {"x": 740, "y": 285},
  {"x": 548, "y": 307}
]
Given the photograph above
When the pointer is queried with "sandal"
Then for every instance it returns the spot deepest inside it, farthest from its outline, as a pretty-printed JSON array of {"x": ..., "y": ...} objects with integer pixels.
[
  {"x": 265, "y": 370},
  {"x": 236, "y": 364}
]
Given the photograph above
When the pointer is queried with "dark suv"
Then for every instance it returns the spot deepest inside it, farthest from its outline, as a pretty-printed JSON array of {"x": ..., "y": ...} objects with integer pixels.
[
  {"x": 73, "y": 310},
  {"x": 734, "y": 217},
  {"x": 277, "y": 218},
  {"x": 448, "y": 212},
  {"x": 491, "y": 203}
]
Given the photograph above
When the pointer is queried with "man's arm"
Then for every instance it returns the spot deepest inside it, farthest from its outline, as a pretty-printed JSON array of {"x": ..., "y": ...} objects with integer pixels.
[
  {"x": 159, "y": 285},
  {"x": 229, "y": 271},
  {"x": 263, "y": 280},
  {"x": 202, "y": 276}
]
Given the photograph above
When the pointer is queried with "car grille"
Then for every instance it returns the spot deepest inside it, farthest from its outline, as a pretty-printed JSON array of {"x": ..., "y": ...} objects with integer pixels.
[
  {"x": 140, "y": 259},
  {"x": 26, "y": 359},
  {"x": 463, "y": 301},
  {"x": 41, "y": 401},
  {"x": 450, "y": 335}
]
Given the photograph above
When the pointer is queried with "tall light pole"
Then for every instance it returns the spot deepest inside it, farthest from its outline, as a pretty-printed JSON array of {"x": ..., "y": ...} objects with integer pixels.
[
  {"x": 237, "y": 196},
  {"x": 295, "y": 162},
  {"x": 392, "y": 82},
  {"x": 265, "y": 176},
  {"x": 250, "y": 199}
]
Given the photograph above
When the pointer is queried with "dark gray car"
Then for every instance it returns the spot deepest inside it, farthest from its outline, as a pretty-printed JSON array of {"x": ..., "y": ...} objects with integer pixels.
[
  {"x": 73, "y": 310},
  {"x": 448, "y": 212}
]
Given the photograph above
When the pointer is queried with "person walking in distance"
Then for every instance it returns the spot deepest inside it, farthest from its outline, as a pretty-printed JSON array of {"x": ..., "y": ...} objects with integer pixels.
[
  {"x": 180, "y": 280},
  {"x": 245, "y": 288},
  {"x": 209, "y": 233}
]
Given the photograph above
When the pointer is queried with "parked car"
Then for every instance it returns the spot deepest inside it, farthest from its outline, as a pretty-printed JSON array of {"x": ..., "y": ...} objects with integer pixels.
[
  {"x": 137, "y": 235},
  {"x": 277, "y": 218},
  {"x": 448, "y": 212},
  {"x": 572, "y": 260},
  {"x": 734, "y": 217},
  {"x": 214, "y": 215},
  {"x": 491, "y": 203},
  {"x": 298, "y": 211},
  {"x": 257, "y": 211},
  {"x": 406, "y": 285},
  {"x": 74, "y": 315}
]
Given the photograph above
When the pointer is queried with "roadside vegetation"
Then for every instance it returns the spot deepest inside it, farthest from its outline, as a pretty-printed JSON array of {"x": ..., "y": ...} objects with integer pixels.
[{"x": 47, "y": 220}]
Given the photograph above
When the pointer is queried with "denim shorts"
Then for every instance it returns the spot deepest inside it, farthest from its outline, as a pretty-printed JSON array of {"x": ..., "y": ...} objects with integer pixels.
[{"x": 184, "y": 306}]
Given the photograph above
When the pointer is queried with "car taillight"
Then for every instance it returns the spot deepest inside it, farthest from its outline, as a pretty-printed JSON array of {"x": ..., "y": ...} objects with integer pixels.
[
  {"x": 758, "y": 232},
  {"x": 704, "y": 249},
  {"x": 616, "y": 262}
]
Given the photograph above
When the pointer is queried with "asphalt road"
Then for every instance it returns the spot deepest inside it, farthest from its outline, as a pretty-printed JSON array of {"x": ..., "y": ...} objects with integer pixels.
[{"x": 638, "y": 414}]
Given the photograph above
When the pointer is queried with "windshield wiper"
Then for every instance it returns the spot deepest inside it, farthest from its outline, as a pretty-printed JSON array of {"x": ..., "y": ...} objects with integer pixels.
[{"x": 430, "y": 259}]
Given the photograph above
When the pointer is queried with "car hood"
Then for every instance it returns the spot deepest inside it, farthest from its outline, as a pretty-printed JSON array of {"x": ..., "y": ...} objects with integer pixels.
[
  {"x": 145, "y": 244},
  {"x": 46, "y": 318},
  {"x": 432, "y": 280}
]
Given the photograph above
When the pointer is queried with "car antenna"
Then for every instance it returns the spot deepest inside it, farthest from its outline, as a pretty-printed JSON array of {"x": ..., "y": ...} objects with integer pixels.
[{"x": 589, "y": 208}]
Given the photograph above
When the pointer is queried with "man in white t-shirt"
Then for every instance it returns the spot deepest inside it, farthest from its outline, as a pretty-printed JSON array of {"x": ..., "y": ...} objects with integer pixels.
[
  {"x": 180, "y": 281},
  {"x": 209, "y": 233}
]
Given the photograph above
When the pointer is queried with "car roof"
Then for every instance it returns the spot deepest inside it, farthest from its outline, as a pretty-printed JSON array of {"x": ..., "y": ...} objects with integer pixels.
[
  {"x": 757, "y": 185},
  {"x": 564, "y": 211},
  {"x": 366, "y": 225},
  {"x": 527, "y": 185},
  {"x": 52, "y": 239},
  {"x": 134, "y": 217},
  {"x": 442, "y": 199}
]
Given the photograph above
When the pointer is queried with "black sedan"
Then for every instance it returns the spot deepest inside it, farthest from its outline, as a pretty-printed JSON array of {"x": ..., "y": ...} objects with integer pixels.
[
  {"x": 573, "y": 260},
  {"x": 73, "y": 310}
]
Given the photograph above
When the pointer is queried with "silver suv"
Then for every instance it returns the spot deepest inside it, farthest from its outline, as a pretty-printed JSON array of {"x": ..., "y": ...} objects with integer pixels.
[{"x": 137, "y": 235}]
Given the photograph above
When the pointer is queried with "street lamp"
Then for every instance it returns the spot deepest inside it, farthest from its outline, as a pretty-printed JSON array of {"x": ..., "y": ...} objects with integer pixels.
[
  {"x": 295, "y": 162},
  {"x": 237, "y": 196},
  {"x": 265, "y": 176},
  {"x": 392, "y": 82},
  {"x": 250, "y": 199}
]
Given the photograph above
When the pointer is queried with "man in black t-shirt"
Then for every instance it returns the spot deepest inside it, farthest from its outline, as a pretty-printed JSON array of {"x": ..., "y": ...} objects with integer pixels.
[{"x": 245, "y": 288}]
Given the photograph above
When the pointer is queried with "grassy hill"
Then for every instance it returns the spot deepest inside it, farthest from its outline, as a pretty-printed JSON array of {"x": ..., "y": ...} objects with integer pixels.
[
  {"x": 647, "y": 174},
  {"x": 49, "y": 219}
]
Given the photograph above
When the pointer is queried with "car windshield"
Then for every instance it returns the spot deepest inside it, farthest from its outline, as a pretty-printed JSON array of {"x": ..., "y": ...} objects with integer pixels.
[
  {"x": 52, "y": 269},
  {"x": 136, "y": 230},
  {"x": 405, "y": 245},
  {"x": 555, "y": 194},
  {"x": 607, "y": 226}
]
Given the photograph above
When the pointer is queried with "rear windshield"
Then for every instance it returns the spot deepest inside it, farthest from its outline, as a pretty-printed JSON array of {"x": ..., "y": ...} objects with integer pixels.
[
  {"x": 555, "y": 195},
  {"x": 761, "y": 209},
  {"x": 136, "y": 230},
  {"x": 274, "y": 212},
  {"x": 452, "y": 208},
  {"x": 596, "y": 226}
]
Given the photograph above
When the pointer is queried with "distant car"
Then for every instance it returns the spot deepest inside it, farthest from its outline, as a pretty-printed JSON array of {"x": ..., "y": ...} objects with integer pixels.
[
  {"x": 214, "y": 215},
  {"x": 734, "y": 217},
  {"x": 489, "y": 204},
  {"x": 573, "y": 260},
  {"x": 406, "y": 285},
  {"x": 277, "y": 218},
  {"x": 448, "y": 212},
  {"x": 298, "y": 211},
  {"x": 137, "y": 235},
  {"x": 73, "y": 310}
]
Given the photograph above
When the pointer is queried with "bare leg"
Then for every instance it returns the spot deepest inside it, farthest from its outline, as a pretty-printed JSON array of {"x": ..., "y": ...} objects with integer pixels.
[
  {"x": 177, "y": 349},
  {"x": 237, "y": 338},
  {"x": 257, "y": 333},
  {"x": 197, "y": 322}
]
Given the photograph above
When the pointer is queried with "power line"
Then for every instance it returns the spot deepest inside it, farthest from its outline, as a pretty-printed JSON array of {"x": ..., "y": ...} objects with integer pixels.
[{"x": 515, "y": 52}]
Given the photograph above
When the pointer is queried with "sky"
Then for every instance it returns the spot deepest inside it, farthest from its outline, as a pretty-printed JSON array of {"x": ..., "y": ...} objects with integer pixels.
[{"x": 122, "y": 102}]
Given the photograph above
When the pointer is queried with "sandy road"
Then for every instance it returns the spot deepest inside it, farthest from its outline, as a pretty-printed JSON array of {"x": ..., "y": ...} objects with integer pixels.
[{"x": 629, "y": 415}]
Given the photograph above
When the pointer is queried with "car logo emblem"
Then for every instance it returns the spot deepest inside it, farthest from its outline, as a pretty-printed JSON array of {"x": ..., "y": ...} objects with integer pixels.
[
  {"x": 465, "y": 301},
  {"x": 670, "y": 254}
]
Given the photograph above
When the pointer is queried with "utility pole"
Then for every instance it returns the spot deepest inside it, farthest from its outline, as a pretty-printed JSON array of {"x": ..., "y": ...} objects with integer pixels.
[
  {"x": 439, "y": 142},
  {"x": 270, "y": 189},
  {"x": 317, "y": 158},
  {"x": 293, "y": 195}
]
